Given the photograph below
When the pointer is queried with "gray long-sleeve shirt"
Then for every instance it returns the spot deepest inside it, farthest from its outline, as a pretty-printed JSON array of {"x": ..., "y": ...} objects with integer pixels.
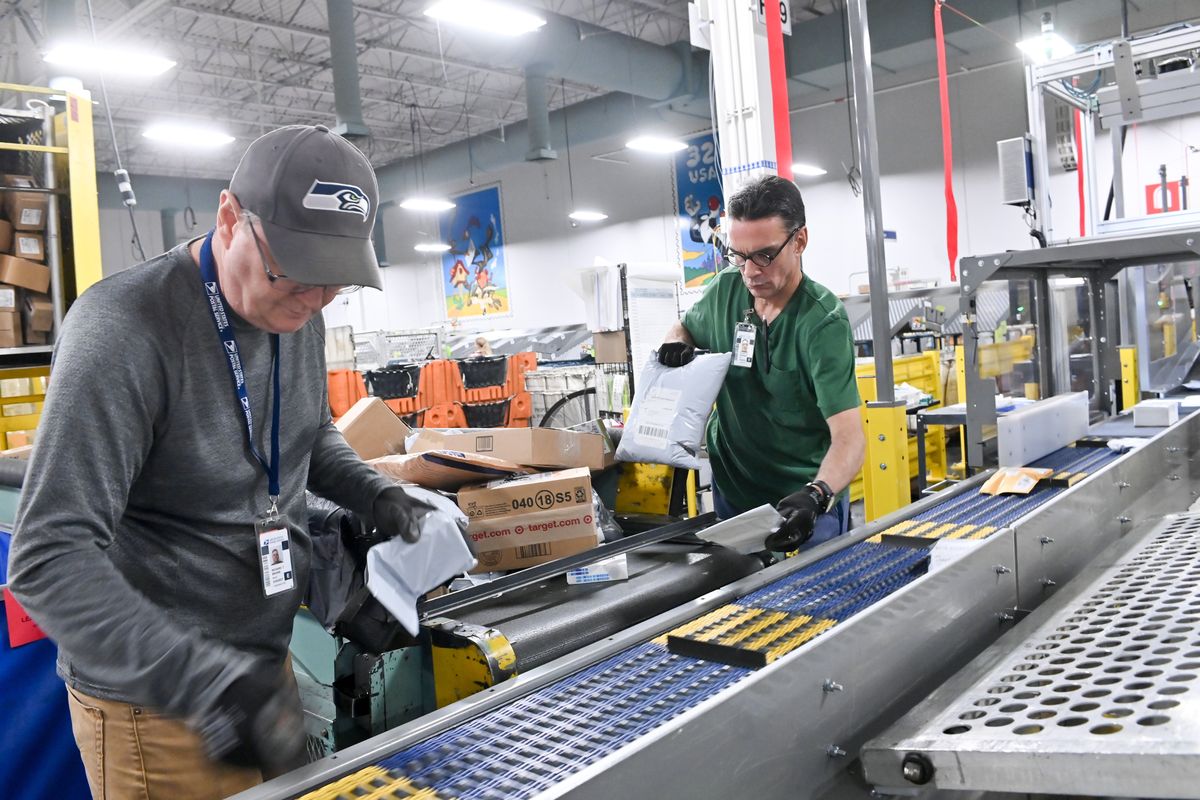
[{"x": 135, "y": 546}]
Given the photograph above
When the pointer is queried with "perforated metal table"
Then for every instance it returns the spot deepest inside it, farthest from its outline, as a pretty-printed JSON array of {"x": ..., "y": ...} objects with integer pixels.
[{"x": 1101, "y": 697}]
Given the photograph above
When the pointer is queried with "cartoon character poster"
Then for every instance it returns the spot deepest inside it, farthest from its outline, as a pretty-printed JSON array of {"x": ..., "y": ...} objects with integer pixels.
[
  {"x": 474, "y": 271},
  {"x": 699, "y": 205}
]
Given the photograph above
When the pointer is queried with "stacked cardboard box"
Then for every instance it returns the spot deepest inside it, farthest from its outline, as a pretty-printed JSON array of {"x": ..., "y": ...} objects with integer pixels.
[
  {"x": 24, "y": 277},
  {"x": 530, "y": 520},
  {"x": 515, "y": 522}
]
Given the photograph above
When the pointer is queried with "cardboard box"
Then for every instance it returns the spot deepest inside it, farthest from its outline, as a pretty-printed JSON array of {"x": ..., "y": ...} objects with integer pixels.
[
  {"x": 444, "y": 469},
  {"x": 519, "y": 498},
  {"x": 24, "y": 273},
  {"x": 372, "y": 429},
  {"x": 533, "y": 554},
  {"x": 546, "y": 448},
  {"x": 25, "y": 210},
  {"x": 6, "y": 236},
  {"x": 11, "y": 339},
  {"x": 10, "y": 298},
  {"x": 610, "y": 347},
  {"x": 28, "y": 245},
  {"x": 18, "y": 439},
  {"x": 31, "y": 336},
  {"x": 10, "y": 321},
  {"x": 530, "y": 520},
  {"x": 39, "y": 310}
]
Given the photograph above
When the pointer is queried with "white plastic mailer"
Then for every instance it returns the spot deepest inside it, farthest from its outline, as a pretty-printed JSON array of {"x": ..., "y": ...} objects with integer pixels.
[
  {"x": 670, "y": 409},
  {"x": 399, "y": 573}
]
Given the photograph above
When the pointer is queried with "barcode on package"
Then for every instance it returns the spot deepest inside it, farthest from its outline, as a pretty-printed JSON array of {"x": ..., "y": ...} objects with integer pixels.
[
  {"x": 533, "y": 550},
  {"x": 653, "y": 435}
]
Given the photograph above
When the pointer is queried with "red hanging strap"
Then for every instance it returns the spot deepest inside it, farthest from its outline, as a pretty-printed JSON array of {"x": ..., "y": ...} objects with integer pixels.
[
  {"x": 947, "y": 143},
  {"x": 1079, "y": 172},
  {"x": 779, "y": 90}
]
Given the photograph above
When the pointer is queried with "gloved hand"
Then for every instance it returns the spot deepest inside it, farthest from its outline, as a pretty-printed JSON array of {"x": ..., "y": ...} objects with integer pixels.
[
  {"x": 675, "y": 354},
  {"x": 395, "y": 513},
  {"x": 800, "y": 511},
  {"x": 257, "y": 722}
]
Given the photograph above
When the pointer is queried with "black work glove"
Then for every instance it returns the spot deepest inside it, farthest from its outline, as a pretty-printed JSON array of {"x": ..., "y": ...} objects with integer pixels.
[
  {"x": 257, "y": 722},
  {"x": 800, "y": 511},
  {"x": 395, "y": 513},
  {"x": 675, "y": 354}
]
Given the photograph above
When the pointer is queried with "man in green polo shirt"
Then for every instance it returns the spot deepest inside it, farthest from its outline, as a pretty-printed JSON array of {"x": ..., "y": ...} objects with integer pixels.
[{"x": 787, "y": 429}]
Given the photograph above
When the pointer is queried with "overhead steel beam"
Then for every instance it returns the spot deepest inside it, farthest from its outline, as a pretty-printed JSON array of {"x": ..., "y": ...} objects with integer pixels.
[
  {"x": 498, "y": 119},
  {"x": 132, "y": 17},
  {"x": 317, "y": 33}
]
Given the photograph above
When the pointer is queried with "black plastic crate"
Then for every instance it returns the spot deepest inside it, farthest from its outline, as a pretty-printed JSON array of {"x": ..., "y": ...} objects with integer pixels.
[
  {"x": 478, "y": 373},
  {"x": 486, "y": 415},
  {"x": 392, "y": 383}
]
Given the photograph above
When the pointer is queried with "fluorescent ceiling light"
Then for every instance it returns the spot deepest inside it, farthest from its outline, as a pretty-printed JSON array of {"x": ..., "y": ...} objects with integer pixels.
[
  {"x": 109, "y": 59},
  {"x": 655, "y": 144},
  {"x": 1046, "y": 46},
  {"x": 498, "y": 18},
  {"x": 807, "y": 170},
  {"x": 187, "y": 135},
  {"x": 587, "y": 216},
  {"x": 426, "y": 204},
  {"x": 432, "y": 247}
]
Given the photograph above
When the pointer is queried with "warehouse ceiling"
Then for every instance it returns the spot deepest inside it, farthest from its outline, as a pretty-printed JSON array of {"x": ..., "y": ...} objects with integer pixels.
[
  {"x": 247, "y": 66},
  {"x": 251, "y": 65}
]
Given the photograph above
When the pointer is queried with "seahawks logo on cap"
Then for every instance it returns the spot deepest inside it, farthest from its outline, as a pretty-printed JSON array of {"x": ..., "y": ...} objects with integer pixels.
[{"x": 326, "y": 196}]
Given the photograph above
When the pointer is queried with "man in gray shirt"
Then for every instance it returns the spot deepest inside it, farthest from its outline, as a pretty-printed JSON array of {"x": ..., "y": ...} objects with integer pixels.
[{"x": 161, "y": 538}]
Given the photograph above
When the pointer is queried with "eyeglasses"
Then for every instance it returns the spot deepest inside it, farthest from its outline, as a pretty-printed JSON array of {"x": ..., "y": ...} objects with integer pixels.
[
  {"x": 283, "y": 283},
  {"x": 761, "y": 259}
]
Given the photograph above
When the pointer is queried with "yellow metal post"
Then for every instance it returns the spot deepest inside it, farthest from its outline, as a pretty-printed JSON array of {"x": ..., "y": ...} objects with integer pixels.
[
  {"x": 886, "y": 472},
  {"x": 1130, "y": 391},
  {"x": 85, "y": 210}
]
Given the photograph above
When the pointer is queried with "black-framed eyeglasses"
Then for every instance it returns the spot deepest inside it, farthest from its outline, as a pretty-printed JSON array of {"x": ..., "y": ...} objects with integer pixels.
[
  {"x": 283, "y": 283},
  {"x": 761, "y": 258}
]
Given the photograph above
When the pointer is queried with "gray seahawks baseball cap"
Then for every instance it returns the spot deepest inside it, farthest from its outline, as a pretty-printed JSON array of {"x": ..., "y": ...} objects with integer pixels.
[{"x": 317, "y": 198}]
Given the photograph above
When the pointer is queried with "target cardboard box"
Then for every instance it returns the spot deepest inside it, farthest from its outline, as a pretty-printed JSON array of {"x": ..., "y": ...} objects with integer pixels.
[{"x": 530, "y": 520}]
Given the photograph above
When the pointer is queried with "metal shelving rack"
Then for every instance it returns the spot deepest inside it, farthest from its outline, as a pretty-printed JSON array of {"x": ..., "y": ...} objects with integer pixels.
[{"x": 49, "y": 136}]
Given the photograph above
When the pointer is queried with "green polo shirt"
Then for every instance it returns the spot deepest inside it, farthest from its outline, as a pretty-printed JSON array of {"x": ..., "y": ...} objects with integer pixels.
[{"x": 769, "y": 435}]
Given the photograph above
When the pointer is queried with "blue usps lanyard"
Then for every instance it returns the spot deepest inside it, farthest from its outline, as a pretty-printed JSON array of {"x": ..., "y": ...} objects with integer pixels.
[{"x": 216, "y": 305}]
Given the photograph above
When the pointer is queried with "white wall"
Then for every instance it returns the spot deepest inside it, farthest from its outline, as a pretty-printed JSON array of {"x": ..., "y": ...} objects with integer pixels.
[
  {"x": 116, "y": 233},
  {"x": 542, "y": 247}
]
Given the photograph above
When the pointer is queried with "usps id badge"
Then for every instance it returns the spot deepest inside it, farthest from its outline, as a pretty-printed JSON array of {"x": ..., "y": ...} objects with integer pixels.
[
  {"x": 743, "y": 344},
  {"x": 275, "y": 555}
]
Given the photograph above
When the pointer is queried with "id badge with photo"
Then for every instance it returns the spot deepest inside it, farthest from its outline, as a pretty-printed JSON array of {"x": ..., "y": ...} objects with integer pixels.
[
  {"x": 275, "y": 554},
  {"x": 743, "y": 344}
]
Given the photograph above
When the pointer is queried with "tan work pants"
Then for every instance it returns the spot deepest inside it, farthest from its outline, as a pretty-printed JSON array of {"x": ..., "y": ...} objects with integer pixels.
[{"x": 132, "y": 753}]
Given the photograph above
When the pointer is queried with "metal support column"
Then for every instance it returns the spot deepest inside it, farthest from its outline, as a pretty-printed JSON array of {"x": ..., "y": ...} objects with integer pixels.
[
  {"x": 53, "y": 234},
  {"x": 863, "y": 101},
  {"x": 343, "y": 55},
  {"x": 1047, "y": 378},
  {"x": 886, "y": 473},
  {"x": 1103, "y": 313},
  {"x": 1130, "y": 392},
  {"x": 887, "y": 446}
]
